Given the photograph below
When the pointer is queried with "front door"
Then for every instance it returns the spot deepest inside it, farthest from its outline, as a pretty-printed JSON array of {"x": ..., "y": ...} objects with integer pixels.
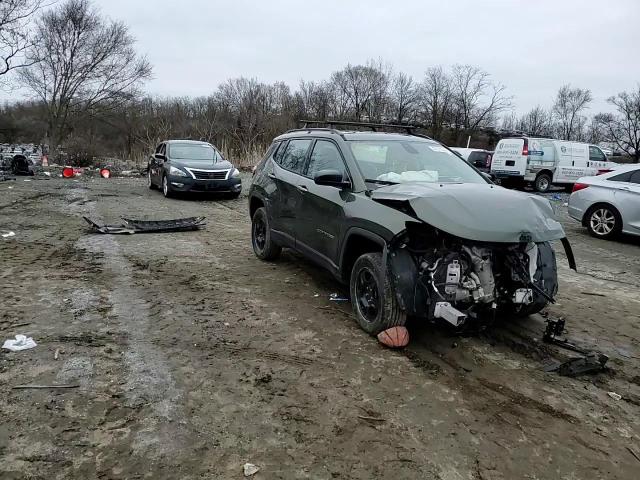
[{"x": 322, "y": 206}]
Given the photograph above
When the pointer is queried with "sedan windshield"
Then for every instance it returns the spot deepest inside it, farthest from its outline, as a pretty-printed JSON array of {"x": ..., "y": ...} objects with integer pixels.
[
  {"x": 194, "y": 152},
  {"x": 394, "y": 161}
]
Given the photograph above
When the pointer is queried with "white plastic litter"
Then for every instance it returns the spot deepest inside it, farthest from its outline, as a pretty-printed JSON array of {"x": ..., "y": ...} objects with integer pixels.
[
  {"x": 22, "y": 342},
  {"x": 250, "y": 469},
  {"x": 8, "y": 234},
  {"x": 614, "y": 395}
]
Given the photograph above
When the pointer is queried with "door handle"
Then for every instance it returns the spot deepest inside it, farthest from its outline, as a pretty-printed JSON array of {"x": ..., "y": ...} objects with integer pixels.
[
  {"x": 302, "y": 188},
  {"x": 272, "y": 175}
]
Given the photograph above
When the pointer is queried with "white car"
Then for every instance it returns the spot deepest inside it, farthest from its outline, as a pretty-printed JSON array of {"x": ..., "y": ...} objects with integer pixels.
[{"x": 608, "y": 204}]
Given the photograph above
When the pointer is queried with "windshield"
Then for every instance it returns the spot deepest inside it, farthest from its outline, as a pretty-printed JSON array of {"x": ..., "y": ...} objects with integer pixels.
[
  {"x": 393, "y": 161},
  {"x": 194, "y": 152}
]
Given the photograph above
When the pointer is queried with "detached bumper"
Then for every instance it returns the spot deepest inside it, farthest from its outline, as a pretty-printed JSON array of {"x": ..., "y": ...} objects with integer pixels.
[{"x": 187, "y": 184}]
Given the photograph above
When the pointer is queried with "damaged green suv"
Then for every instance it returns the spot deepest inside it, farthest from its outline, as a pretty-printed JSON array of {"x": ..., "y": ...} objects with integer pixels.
[{"x": 411, "y": 227}]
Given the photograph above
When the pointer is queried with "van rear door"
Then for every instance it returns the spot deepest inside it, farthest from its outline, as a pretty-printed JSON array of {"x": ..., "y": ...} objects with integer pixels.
[
  {"x": 510, "y": 158},
  {"x": 573, "y": 162}
]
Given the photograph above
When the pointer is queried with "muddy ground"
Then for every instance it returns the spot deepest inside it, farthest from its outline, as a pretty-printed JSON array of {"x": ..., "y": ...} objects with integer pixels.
[{"x": 192, "y": 358}]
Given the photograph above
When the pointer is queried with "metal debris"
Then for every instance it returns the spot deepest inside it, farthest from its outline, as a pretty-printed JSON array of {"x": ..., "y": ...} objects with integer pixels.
[{"x": 131, "y": 226}]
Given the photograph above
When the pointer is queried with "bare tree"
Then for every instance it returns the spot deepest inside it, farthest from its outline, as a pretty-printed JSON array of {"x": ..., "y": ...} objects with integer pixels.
[
  {"x": 477, "y": 99},
  {"x": 570, "y": 102},
  {"x": 435, "y": 98},
  {"x": 538, "y": 122},
  {"x": 15, "y": 16},
  {"x": 81, "y": 61},
  {"x": 362, "y": 90},
  {"x": 623, "y": 128},
  {"x": 404, "y": 97}
]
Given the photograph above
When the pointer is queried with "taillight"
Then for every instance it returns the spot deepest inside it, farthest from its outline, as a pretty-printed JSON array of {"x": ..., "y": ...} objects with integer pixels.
[
  {"x": 525, "y": 151},
  {"x": 578, "y": 186},
  {"x": 488, "y": 162},
  {"x": 603, "y": 171}
]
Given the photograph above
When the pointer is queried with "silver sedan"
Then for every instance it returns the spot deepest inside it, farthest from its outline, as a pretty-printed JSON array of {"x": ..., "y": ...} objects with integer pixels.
[{"x": 608, "y": 204}]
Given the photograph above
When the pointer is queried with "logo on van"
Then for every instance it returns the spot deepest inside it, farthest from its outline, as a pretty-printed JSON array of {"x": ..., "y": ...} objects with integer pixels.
[
  {"x": 563, "y": 149},
  {"x": 501, "y": 146}
]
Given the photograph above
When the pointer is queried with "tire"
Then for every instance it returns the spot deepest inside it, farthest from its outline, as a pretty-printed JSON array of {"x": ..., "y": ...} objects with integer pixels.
[
  {"x": 603, "y": 221},
  {"x": 263, "y": 245},
  {"x": 374, "y": 312},
  {"x": 234, "y": 195},
  {"x": 149, "y": 181},
  {"x": 542, "y": 183},
  {"x": 166, "y": 188}
]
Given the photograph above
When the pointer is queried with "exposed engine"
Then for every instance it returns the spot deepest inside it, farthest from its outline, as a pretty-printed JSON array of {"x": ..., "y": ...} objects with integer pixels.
[{"x": 459, "y": 279}]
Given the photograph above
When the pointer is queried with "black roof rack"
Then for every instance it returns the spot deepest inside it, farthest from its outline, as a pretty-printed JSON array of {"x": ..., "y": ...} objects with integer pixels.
[{"x": 410, "y": 129}]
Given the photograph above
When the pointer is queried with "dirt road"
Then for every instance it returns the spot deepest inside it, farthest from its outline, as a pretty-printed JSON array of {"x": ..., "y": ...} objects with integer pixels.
[{"x": 192, "y": 358}]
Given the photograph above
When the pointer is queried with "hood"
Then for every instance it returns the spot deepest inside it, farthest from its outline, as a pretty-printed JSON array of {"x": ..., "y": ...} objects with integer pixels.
[
  {"x": 200, "y": 165},
  {"x": 480, "y": 212}
]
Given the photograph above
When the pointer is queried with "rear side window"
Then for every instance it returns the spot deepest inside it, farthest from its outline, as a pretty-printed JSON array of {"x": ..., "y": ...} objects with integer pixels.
[
  {"x": 325, "y": 156},
  {"x": 635, "y": 177},
  {"x": 295, "y": 155},
  {"x": 279, "y": 153},
  {"x": 479, "y": 159},
  {"x": 623, "y": 177}
]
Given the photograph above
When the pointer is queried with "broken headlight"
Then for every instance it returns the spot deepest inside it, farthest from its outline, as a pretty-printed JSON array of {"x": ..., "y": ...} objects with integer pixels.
[
  {"x": 177, "y": 172},
  {"x": 235, "y": 173}
]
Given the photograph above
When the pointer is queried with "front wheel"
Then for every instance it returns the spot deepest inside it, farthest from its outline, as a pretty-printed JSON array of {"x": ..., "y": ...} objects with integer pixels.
[
  {"x": 604, "y": 221},
  {"x": 372, "y": 296},
  {"x": 263, "y": 245},
  {"x": 166, "y": 188},
  {"x": 543, "y": 183},
  {"x": 150, "y": 181}
]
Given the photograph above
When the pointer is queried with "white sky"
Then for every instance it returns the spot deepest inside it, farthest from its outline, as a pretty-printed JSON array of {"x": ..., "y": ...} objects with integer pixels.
[{"x": 531, "y": 46}]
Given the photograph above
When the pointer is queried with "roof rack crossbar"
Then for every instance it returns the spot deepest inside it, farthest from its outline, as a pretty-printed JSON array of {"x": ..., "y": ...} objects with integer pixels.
[{"x": 373, "y": 126}]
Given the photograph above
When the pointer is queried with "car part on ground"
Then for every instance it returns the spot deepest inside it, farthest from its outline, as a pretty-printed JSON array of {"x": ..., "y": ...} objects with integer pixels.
[
  {"x": 590, "y": 362},
  {"x": 409, "y": 225},
  {"x": 149, "y": 226}
]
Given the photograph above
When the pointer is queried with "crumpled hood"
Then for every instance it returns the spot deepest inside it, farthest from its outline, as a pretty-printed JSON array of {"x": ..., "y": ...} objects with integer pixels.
[{"x": 484, "y": 213}]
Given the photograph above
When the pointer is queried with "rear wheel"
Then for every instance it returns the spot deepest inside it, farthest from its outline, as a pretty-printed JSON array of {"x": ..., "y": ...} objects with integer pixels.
[
  {"x": 263, "y": 245},
  {"x": 543, "y": 183},
  {"x": 372, "y": 297},
  {"x": 603, "y": 221},
  {"x": 149, "y": 181}
]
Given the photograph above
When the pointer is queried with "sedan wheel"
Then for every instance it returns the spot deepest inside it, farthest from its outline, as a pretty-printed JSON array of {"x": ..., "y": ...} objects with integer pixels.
[
  {"x": 604, "y": 222},
  {"x": 149, "y": 181},
  {"x": 166, "y": 189}
]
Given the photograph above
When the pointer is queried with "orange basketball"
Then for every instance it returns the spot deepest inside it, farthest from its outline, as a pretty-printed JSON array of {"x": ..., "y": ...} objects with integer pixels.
[{"x": 394, "y": 337}]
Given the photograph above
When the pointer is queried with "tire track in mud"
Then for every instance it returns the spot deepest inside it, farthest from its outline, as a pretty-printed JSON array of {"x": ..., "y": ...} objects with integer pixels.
[{"x": 149, "y": 382}]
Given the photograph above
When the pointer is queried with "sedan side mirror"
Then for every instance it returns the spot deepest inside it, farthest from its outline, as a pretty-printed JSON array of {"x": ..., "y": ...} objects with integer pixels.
[
  {"x": 488, "y": 176},
  {"x": 160, "y": 156},
  {"x": 331, "y": 178}
]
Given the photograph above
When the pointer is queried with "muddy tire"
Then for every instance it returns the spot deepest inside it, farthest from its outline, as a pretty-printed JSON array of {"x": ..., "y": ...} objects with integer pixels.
[
  {"x": 542, "y": 183},
  {"x": 374, "y": 302},
  {"x": 263, "y": 245},
  {"x": 603, "y": 221},
  {"x": 149, "y": 181}
]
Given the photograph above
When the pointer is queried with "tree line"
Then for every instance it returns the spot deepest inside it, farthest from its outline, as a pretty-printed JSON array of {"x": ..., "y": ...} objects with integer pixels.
[{"x": 86, "y": 81}]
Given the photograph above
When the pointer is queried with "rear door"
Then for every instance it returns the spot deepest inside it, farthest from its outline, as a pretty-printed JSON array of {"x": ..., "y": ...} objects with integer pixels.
[
  {"x": 287, "y": 174},
  {"x": 319, "y": 229},
  {"x": 572, "y": 161},
  {"x": 510, "y": 158},
  {"x": 628, "y": 202}
]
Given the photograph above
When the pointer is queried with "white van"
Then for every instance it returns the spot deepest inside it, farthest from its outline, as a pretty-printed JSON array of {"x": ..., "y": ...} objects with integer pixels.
[{"x": 544, "y": 162}]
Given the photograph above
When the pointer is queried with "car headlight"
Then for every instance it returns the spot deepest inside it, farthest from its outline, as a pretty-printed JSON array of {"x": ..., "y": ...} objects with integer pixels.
[
  {"x": 177, "y": 172},
  {"x": 235, "y": 173}
]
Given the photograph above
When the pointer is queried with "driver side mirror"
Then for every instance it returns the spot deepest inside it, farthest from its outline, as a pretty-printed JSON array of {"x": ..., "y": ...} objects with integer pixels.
[
  {"x": 161, "y": 156},
  {"x": 331, "y": 178}
]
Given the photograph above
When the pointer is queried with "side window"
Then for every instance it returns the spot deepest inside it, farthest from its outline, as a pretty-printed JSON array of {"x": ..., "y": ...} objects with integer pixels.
[
  {"x": 623, "y": 177},
  {"x": 596, "y": 155},
  {"x": 325, "y": 156},
  {"x": 159, "y": 148},
  {"x": 635, "y": 177},
  {"x": 295, "y": 155}
]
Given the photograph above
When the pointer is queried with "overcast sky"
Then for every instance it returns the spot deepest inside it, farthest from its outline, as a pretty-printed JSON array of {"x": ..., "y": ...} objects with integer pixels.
[{"x": 532, "y": 47}]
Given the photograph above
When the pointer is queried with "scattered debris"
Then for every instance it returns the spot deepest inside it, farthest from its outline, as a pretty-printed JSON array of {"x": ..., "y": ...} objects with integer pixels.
[
  {"x": 56, "y": 354},
  {"x": 633, "y": 452},
  {"x": 8, "y": 234},
  {"x": 590, "y": 362},
  {"x": 105, "y": 173},
  {"x": 250, "y": 469},
  {"x": 593, "y": 294},
  {"x": 26, "y": 387},
  {"x": 371, "y": 419},
  {"x": 6, "y": 179},
  {"x": 334, "y": 297},
  {"x": 394, "y": 337},
  {"x": 149, "y": 226},
  {"x": 614, "y": 395},
  {"x": 21, "y": 342}
]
